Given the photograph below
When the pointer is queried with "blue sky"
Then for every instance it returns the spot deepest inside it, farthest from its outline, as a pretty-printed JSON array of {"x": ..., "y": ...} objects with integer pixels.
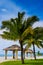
[
  {"x": 33, "y": 7},
  {"x": 10, "y": 8}
]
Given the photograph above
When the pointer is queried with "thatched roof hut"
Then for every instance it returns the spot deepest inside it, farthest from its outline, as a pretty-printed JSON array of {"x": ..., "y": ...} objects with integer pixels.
[{"x": 15, "y": 49}]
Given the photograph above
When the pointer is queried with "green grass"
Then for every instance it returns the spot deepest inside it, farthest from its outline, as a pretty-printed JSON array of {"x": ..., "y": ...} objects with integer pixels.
[{"x": 27, "y": 62}]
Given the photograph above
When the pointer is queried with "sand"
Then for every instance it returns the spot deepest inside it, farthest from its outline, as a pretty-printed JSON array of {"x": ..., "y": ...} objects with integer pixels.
[{"x": 2, "y": 59}]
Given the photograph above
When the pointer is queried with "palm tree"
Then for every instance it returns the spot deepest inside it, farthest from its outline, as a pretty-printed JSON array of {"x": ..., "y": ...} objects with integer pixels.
[
  {"x": 18, "y": 29},
  {"x": 35, "y": 39},
  {"x": 38, "y": 35}
]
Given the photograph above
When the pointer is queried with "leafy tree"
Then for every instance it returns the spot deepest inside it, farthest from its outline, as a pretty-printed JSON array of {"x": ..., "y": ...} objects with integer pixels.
[{"x": 18, "y": 29}]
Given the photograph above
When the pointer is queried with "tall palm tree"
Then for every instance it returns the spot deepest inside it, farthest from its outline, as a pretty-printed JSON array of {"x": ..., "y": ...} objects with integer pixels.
[
  {"x": 38, "y": 35},
  {"x": 35, "y": 38},
  {"x": 18, "y": 29}
]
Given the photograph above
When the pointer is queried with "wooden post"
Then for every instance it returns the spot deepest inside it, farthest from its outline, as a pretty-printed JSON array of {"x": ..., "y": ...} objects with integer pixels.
[
  {"x": 13, "y": 54},
  {"x": 24, "y": 55},
  {"x": 27, "y": 54},
  {"x": 31, "y": 55},
  {"x": 16, "y": 57},
  {"x": 5, "y": 54}
]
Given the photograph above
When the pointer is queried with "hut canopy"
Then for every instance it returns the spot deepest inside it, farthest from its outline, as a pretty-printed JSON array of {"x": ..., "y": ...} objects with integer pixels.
[
  {"x": 13, "y": 47},
  {"x": 28, "y": 50},
  {"x": 18, "y": 48}
]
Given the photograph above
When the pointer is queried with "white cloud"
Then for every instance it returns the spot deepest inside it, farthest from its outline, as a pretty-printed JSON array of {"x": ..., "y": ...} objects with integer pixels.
[
  {"x": 1, "y": 31},
  {"x": 4, "y": 10},
  {"x": 10, "y": 10},
  {"x": 6, "y": 43},
  {"x": 38, "y": 24}
]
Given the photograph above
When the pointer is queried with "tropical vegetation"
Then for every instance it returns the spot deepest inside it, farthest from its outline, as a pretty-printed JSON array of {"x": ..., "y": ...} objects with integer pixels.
[
  {"x": 35, "y": 39},
  {"x": 20, "y": 29}
]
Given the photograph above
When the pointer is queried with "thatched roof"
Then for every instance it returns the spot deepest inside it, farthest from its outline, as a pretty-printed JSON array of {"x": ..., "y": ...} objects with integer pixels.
[
  {"x": 28, "y": 50},
  {"x": 18, "y": 48},
  {"x": 13, "y": 47}
]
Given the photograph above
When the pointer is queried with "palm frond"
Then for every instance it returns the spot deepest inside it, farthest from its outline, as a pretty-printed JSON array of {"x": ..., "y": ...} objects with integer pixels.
[
  {"x": 31, "y": 20},
  {"x": 28, "y": 31}
]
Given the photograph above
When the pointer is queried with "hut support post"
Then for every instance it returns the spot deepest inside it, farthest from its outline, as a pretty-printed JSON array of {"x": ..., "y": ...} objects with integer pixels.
[
  {"x": 27, "y": 54},
  {"x": 5, "y": 54},
  {"x": 24, "y": 55},
  {"x": 13, "y": 54},
  {"x": 31, "y": 55},
  {"x": 16, "y": 55}
]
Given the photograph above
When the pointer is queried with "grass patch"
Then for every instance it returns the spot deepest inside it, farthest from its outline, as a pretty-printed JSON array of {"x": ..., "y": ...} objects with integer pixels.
[{"x": 27, "y": 62}]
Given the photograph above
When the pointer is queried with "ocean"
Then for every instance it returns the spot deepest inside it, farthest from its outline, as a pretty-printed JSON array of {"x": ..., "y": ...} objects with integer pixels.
[{"x": 9, "y": 53}]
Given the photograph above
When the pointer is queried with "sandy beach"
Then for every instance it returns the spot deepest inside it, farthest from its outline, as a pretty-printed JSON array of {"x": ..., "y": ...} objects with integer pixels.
[{"x": 2, "y": 59}]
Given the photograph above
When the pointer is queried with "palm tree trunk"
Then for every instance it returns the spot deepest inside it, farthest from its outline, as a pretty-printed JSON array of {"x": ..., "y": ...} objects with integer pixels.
[
  {"x": 34, "y": 51},
  {"x": 22, "y": 58}
]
